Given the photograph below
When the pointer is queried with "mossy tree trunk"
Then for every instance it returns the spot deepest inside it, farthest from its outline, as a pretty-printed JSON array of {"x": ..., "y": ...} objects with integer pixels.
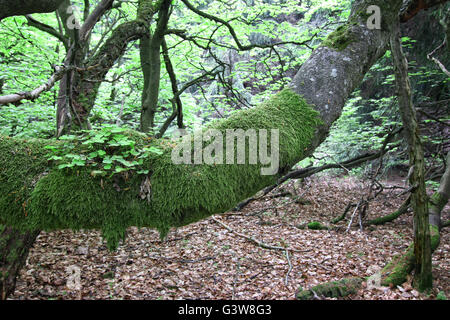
[
  {"x": 151, "y": 68},
  {"x": 79, "y": 89},
  {"x": 14, "y": 248},
  {"x": 422, "y": 250},
  {"x": 182, "y": 194}
]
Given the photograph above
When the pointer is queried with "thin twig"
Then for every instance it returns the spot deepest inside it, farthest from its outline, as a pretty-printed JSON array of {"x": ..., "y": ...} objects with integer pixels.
[
  {"x": 286, "y": 280},
  {"x": 353, "y": 216},
  {"x": 257, "y": 242}
]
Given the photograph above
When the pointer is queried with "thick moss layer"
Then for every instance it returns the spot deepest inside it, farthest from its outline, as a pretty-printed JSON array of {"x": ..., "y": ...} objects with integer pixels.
[
  {"x": 340, "y": 38},
  {"x": 396, "y": 271},
  {"x": 315, "y": 225},
  {"x": 332, "y": 289},
  {"x": 33, "y": 195}
]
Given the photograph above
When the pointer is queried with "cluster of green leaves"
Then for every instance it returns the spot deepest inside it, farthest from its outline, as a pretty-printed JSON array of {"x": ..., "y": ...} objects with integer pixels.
[
  {"x": 107, "y": 151},
  {"x": 255, "y": 75}
]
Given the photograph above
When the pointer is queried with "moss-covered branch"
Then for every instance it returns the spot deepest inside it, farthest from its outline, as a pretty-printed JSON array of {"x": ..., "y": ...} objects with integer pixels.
[
  {"x": 391, "y": 217},
  {"x": 334, "y": 289},
  {"x": 36, "y": 195}
]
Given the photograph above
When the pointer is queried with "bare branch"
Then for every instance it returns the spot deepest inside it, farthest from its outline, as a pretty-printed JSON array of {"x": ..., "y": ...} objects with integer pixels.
[
  {"x": 48, "y": 29},
  {"x": 31, "y": 95},
  {"x": 93, "y": 18},
  {"x": 257, "y": 242},
  {"x": 233, "y": 32}
]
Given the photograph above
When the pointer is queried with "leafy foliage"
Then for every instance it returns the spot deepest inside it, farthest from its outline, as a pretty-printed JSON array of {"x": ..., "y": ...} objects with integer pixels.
[{"x": 108, "y": 150}]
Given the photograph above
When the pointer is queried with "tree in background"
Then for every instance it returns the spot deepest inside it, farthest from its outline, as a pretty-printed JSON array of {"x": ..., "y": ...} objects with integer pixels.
[{"x": 304, "y": 112}]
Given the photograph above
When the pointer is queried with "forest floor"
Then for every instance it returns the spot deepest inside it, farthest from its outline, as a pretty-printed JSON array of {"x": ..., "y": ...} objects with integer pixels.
[{"x": 205, "y": 260}]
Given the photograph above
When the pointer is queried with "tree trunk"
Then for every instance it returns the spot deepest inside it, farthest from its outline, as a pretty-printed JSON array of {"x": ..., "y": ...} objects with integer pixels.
[
  {"x": 14, "y": 248},
  {"x": 151, "y": 68},
  {"x": 181, "y": 194},
  {"x": 422, "y": 250},
  {"x": 83, "y": 85},
  {"x": 440, "y": 198}
]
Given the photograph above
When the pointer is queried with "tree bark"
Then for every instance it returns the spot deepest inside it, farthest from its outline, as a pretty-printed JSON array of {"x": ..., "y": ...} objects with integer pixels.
[
  {"x": 14, "y": 248},
  {"x": 10, "y": 8},
  {"x": 151, "y": 68},
  {"x": 85, "y": 85},
  {"x": 422, "y": 249},
  {"x": 182, "y": 194},
  {"x": 440, "y": 198}
]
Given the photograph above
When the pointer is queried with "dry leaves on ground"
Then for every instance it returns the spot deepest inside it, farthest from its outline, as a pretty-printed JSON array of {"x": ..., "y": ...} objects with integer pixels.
[{"x": 205, "y": 260}]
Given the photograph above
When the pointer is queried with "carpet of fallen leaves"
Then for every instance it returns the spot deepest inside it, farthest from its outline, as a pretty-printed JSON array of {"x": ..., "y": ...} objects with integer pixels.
[{"x": 206, "y": 261}]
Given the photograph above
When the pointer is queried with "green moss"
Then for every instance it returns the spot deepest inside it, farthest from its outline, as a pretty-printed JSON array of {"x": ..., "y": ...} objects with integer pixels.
[
  {"x": 396, "y": 271},
  {"x": 22, "y": 163},
  {"x": 434, "y": 237},
  {"x": 108, "y": 275},
  {"x": 437, "y": 202},
  {"x": 390, "y": 217},
  {"x": 180, "y": 194},
  {"x": 334, "y": 289},
  {"x": 315, "y": 225},
  {"x": 340, "y": 38}
]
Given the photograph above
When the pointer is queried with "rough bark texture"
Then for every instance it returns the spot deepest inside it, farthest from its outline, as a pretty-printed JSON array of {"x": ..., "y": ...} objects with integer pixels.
[
  {"x": 337, "y": 67},
  {"x": 151, "y": 67},
  {"x": 14, "y": 247},
  {"x": 83, "y": 86},
  {"x": 422, "y": 251},
  {"x": 21, "y": 7},
  {"x": 440, "y": 198},
  {"x": 180, "y": 194}
]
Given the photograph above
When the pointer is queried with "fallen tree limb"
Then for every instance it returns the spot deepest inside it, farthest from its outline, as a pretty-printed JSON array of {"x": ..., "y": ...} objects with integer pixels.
[
  {"x": 344, "y": 214},
  {"x": 332, "y": 289},
  {"x": 391, "y": 217}
]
